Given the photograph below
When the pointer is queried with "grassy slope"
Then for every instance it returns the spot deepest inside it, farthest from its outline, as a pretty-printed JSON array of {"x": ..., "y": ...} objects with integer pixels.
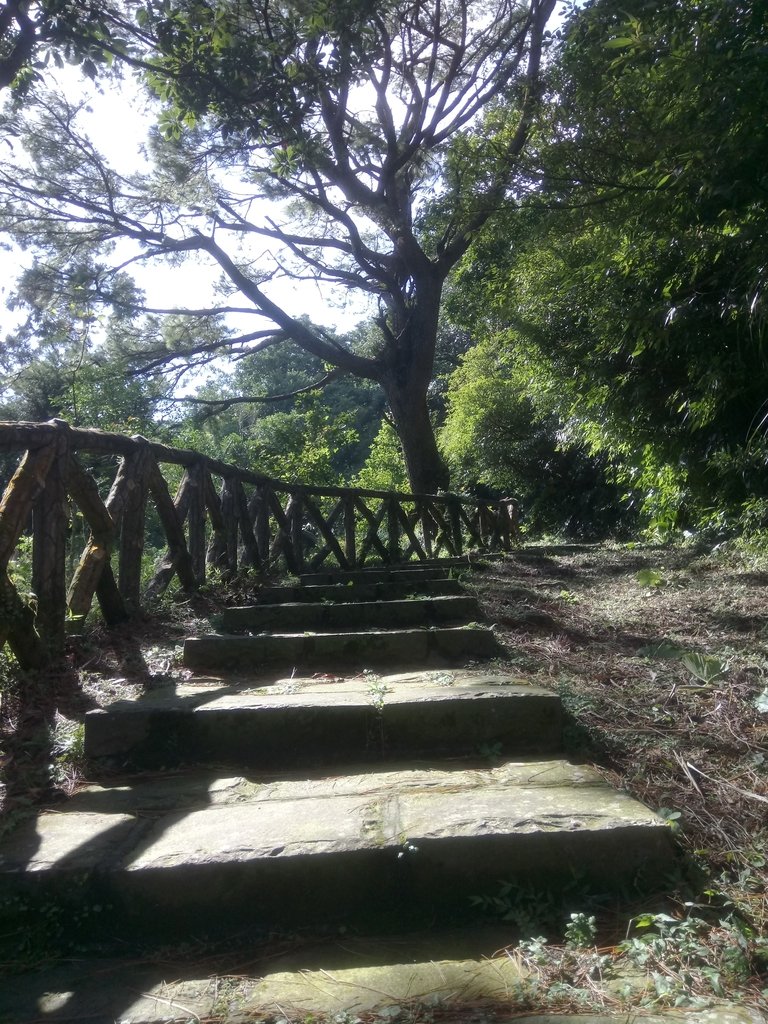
[{"x": 661, "y": 657}]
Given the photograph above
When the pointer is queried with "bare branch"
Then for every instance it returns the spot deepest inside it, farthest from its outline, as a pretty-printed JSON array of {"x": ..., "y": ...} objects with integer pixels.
[{"x": 218, "y": 405}]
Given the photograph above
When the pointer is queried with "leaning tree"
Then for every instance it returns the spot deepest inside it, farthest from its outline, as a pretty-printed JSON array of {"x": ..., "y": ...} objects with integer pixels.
[{"x": 356, "y": 144}]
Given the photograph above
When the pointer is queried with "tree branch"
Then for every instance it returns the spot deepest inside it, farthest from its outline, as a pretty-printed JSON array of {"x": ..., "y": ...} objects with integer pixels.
[{"x": 218, "y": 405}]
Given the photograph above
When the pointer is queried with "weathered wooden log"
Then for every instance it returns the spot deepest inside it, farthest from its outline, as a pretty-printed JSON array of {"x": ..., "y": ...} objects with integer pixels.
[
  {"x": 329, "y": 524},
  {"x": 217, "y": 546},
  {"x": 96, "y": 555},
  {"x": 19, "y": 496},
  {"x": 196, "y": 520},
  {"x": 472, "y": 524},
  {"x": 371, "y": 539},
  {"x": 453, "y": 517},
  {"x": 258, "y": 508},
  {"x": 50, "y": 524},
  {"x": 294, "y": 513},
  {"x": 393, "y": 529},
  {"x": 444, "y": 533},
  {"x": 350, "y": 531},
  {"x": 427, "y": 527},
  {"x": 17, "y": 627},
  {"x": 177, "y": 559},
  {"x": 410, "y": 533},
  {"x": 229, "y": 518},
  {"x": 250, "y": 553},
  {"x": 326, "y": 530},
  {"x": 135, "y": 489},
  {"x": 282, "y": 541},
  {"x": 17, "y": 619}
]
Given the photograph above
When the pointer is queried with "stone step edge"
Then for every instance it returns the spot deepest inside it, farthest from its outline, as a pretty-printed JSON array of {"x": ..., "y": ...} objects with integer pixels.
[
  {"x": 441, "y": 607},
  {"x": 402, "y": 645}
]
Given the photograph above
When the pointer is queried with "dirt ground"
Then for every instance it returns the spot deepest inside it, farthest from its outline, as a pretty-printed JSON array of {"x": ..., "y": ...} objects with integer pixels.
[{"x": 661, "y": 657}]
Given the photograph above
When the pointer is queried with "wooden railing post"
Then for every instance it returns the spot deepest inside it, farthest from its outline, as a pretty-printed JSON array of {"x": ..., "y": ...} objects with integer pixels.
[
  {"x": 217, "y": 545},
  {"x": 259, "y": 507},
  {"x": 426, "y": 528},
  {"x": 137, "y": 467},
  {"x": 393, "y": 530},
  {"x": 172, "y": 513},
  {"x": 350, "y": 531},
  {"x": 245, "y": 523},
  {"x": 50, "y": 519},
  {"x": 196, "y": 520},
  {"x": 17, "y": 620},
  {"x": 229, "y": 517},
  {"x": 454, "y": 518},
  {"x": 295, "y": 517},
  {"x": 94, "y": 570}
]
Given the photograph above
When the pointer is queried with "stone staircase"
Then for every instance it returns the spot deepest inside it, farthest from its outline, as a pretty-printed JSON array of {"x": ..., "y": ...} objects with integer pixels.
[{"x": 344, "y": 757}]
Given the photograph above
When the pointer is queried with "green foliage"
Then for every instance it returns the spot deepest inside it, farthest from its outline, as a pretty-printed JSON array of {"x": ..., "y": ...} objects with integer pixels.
[
  {"x": 55, "y": 31},
  {"x": 302, "y": 445},
  {"x": 384, "y": 469},
  {"x": 649, "y": 577},
  {"x": 581, "y": 931},
  {"x": 689, "y": 960},
  {"x": 681, "y": 962},
  {"x": 704, "y": 666},
  {"x": 629, "y": 287},
  {"x": 496, "y": 438}
]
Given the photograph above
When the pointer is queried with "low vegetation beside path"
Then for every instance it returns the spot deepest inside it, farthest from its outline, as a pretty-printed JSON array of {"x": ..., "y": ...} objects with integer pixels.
[{"x": 660, "y": 656}]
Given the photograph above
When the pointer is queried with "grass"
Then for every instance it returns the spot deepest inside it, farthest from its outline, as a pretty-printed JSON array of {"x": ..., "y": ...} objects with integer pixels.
[
  {"x": 662, "y": 683},
  {"x": 660, "y": 655}
]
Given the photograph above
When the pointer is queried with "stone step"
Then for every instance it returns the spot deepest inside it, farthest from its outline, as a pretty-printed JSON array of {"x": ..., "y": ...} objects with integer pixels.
[
  {"x": 295, "y": 616},
  {"x": 163, "y": 860},
  {"x": 331, "y": 651},
  {"x": 312, "y": 722},
  {"x": 350, "y": 591},
  {"x": 455, "y": 976},
  {"x": 416, "y": 571}
]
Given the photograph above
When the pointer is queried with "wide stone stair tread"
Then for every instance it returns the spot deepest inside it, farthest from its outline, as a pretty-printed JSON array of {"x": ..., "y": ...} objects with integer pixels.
[
  {"x": 397, "y": 847},
  {"x": 343, "y": 590},
  {"x": 314, "y": 721},
  {"x": 395, "y": 648},
  {"x": 348, "y": 614},
  {"x": 417, "y": 572}
]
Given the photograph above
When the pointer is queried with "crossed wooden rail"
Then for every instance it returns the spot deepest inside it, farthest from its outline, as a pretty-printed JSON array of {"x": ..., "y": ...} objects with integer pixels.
[{"x": 250, "y": 520}]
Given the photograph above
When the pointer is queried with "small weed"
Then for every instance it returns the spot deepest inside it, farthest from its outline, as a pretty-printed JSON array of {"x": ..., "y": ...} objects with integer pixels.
[
  {"x": 581, "y": 931},
  {"x": 407, "y": 847},
  {"x": 650, "y": 578},
  {"x": 377, "y": 692},
  {"x": 491, "y": 751},
  {"x": 671, "y": 817}
]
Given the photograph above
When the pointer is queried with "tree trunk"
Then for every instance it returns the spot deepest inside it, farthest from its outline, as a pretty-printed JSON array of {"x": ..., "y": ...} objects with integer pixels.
[
  {"x": 408, "y": 373},
  {"x": 427, "y": 473}
]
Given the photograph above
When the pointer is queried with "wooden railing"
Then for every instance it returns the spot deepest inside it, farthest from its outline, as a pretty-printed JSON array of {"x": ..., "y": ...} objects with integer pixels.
[{"x": 83, "y": 500}]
